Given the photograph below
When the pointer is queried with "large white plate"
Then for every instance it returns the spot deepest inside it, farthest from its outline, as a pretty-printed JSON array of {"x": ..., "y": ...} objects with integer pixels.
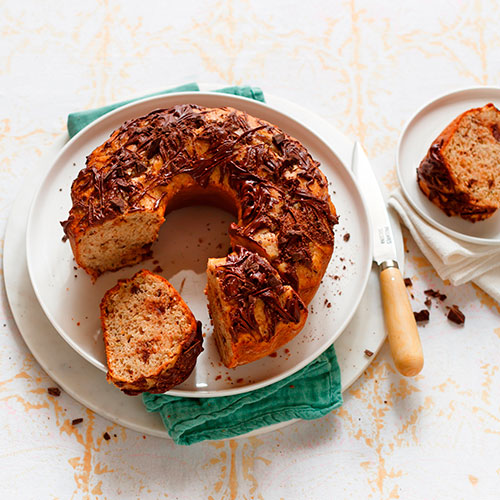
[
  {"x": 187, "y": 239},
  {"x": 416, "y": 138},
  {"x": 86, "y": 384}
]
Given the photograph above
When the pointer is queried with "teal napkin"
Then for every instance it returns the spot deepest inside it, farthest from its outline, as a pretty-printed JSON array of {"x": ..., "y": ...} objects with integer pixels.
[{"x": 311, "y": 393}]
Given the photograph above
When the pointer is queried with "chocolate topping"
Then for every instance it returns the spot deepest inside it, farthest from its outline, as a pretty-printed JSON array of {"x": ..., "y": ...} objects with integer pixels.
[
  {"x": 247, "y": 277},
  {"x": 279, "y": 189}
]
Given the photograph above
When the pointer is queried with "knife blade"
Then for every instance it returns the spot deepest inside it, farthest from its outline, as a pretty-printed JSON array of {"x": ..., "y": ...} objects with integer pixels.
[
  {"x": 383, "y": 239},
  {"x": 400, "y": 322}
]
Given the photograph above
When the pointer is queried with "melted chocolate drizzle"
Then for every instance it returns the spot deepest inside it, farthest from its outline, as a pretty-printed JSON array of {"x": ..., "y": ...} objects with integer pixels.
[
  {"x": 272, "y": 175},
  {"x": 247, "y": 277}
]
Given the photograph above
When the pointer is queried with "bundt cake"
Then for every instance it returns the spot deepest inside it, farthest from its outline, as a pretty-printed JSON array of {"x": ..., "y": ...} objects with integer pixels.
[
  {"x": 151, "y": 337},
  {"x": 461, "y": 171},
  {"x": 190, "y": 154},
  {"x": 253, "y": 311}
]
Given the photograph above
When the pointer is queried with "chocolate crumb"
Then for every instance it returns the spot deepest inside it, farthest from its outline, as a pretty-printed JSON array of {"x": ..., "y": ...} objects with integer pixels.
[
  {"x": 456, "y": 315},
  {"x": 106, "y": 436},
  {"x": 76, "y": 421},
  {"x": 278, "y": 140},
  {"x": 347, "y": 237},
  {"x": 421, "y": 316},
  {"x": 495, "y": 132},
  {"x": 428, "y": 302},
  {"x": 158, "y": 269},
  {"x": 273, "y": 354},
  {"x": 368, "y": 353},
  {"x": 408, "y": 282},
  {"x": 54, "y": 391},
  {"x": 155, "y": 262},
  {"x": 239, "y": 381},
  {"x": 436, "y": 294}
]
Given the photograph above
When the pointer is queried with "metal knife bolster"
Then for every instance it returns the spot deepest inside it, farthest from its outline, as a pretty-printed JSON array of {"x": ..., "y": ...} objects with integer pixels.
[{"x": 387, "y": 263}]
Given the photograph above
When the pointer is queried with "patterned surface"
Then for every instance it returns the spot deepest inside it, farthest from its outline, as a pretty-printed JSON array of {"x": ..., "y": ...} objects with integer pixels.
[{"x": 363, "y": 65}]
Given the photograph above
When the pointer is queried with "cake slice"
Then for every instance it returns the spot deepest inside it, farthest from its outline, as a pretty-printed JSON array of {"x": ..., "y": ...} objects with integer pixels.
[
  {"x": 151, "y": 337},
  {"x": 461, "y": 171},
  {"x": 253, "y": 311}
]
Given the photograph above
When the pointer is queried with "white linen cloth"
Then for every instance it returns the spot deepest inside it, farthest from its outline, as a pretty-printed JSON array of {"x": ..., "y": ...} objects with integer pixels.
[{"x": 453, "y": 259}]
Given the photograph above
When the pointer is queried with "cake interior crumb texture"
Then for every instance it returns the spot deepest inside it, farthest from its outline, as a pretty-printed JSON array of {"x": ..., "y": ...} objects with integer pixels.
[
  {"x": 146, "y": 326},
  {"x": 474, "y": 151},
  {"x": 116, "y": 244}
]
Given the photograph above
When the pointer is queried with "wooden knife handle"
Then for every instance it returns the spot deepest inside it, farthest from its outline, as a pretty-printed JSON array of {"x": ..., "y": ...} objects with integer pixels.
[{"x": 400, "y": 322}]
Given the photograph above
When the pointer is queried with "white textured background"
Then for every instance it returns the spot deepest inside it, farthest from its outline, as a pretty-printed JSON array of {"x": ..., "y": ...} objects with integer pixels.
[{"x": 363, "y": 65}]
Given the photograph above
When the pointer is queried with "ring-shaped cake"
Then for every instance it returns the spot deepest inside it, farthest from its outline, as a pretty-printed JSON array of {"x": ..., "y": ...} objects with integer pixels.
[{"x": 282, "y": 241}]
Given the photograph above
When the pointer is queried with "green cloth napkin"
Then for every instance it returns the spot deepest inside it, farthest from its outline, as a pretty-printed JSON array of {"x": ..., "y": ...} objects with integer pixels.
[{"x": 310, "y": 393}]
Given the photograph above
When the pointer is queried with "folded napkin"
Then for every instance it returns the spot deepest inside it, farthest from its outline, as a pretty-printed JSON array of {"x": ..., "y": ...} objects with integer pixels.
[
  {"x": 453, "y": 259},
  {"x": 310, "y": 393}
]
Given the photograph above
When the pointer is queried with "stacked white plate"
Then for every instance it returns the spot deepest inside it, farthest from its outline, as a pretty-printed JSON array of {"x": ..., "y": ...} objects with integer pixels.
[{"x": 55, "y": 305}]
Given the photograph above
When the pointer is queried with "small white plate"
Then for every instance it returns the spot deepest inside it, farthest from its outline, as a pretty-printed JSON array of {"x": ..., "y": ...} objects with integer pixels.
[
  {"x": 415, "y": 140},
  {"x": 188, "y": 238}
]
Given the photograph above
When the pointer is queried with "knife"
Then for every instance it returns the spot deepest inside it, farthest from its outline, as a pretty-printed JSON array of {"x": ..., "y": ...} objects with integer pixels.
[{"x": 400, "y": 322}]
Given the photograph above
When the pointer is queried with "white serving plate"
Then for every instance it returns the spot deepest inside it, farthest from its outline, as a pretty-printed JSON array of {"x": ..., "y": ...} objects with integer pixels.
[
  {"x": 416, "y": 138},
  {"x": 86, "y": 384},
  {"x": 188, "y": 238}
]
